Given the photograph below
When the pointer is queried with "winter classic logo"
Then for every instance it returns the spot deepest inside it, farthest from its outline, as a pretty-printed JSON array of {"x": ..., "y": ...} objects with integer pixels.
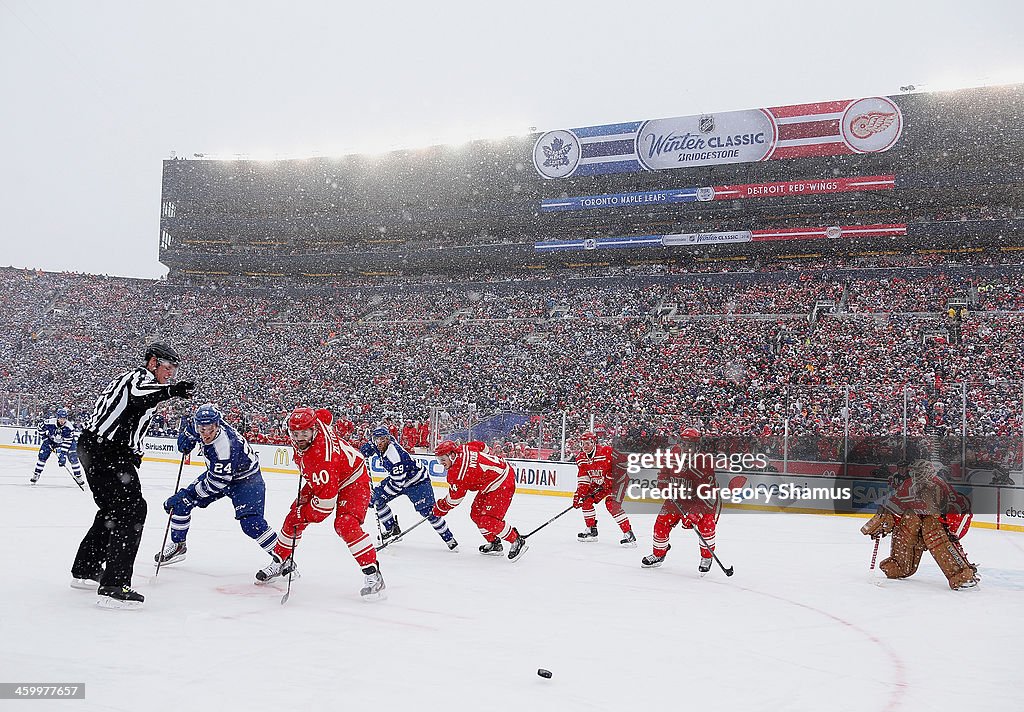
[
  {"x": 556, "y": 154},
  {"x": 871, "y": 125},
  {"x": 732, "y": 137}
]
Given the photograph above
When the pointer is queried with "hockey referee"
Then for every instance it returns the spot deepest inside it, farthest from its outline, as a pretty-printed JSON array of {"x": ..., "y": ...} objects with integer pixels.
[{"x": 110, "y": 449}]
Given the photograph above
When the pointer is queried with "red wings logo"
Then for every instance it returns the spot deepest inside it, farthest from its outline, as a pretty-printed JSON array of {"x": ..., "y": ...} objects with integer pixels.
[{"x": 875, "y": 122}]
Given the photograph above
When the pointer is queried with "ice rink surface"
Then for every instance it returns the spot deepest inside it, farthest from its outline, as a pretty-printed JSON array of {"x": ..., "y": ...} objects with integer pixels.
[{"x": 801, "y": 625}]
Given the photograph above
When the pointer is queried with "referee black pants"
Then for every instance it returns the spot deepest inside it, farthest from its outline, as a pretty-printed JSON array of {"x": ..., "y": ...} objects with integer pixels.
[{"x": 112, "y": 541}]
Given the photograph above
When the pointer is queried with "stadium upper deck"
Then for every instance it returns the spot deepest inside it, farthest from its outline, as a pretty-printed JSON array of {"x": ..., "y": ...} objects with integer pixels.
[{"x": 908, "y": 172}]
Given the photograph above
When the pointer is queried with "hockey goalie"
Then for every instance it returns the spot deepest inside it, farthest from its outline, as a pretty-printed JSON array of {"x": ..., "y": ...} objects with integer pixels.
[{"x": 924, "y": 512}]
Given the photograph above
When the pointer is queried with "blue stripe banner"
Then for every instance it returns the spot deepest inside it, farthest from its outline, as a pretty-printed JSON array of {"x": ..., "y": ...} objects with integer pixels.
[{"x": 620, "y": 200}]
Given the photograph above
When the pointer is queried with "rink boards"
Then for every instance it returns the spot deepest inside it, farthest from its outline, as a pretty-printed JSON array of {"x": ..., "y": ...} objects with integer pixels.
[{"x": 995, "y": 507}]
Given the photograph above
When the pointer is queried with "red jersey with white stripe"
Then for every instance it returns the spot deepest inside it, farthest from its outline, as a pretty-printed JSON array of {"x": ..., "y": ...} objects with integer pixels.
[
  {"x": 933, "y": 496},
  {"x": 604, "y": 469},
  {"x": 696, "y": 479},
  {"x": 475, "y": 469},
  {"x": 328, "y": 465}
]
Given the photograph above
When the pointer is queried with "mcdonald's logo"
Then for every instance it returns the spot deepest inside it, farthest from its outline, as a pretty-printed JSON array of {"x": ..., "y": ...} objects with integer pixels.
[{"x": 282, "y": 456}]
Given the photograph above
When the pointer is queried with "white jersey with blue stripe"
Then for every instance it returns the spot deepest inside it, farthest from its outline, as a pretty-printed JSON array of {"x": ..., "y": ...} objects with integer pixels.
[
  {"x": 60, "y": 436},
  {"x": 229, "y": 458},
  {"x": 403, "y": 469}
]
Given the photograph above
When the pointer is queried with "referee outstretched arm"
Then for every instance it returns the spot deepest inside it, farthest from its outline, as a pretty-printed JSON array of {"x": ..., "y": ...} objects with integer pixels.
[{"x": 110, "y": 449}]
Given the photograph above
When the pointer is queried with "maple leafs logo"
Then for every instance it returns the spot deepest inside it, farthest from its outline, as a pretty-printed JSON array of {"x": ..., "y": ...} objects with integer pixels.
[
  {"x": 557, "y": 153},
  {"x": 875, "y": 122}
]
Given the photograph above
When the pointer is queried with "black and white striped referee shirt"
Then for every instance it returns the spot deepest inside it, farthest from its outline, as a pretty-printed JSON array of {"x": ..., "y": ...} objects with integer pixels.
[{"x": 125, "y": 408}]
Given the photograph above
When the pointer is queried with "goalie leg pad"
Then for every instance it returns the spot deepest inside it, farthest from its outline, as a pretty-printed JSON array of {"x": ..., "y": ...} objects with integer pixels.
[
  {"x": 947, "y": 554},
  {"x": 906, "y": 548}
]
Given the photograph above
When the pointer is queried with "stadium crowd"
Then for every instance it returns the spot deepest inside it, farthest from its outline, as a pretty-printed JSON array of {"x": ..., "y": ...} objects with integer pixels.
[{"x": 744, "y": 356}]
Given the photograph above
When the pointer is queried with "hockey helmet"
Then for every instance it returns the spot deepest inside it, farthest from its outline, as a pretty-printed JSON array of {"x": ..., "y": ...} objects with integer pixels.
[
  {"x": 302, "y": 418},
  {"x": 689, "y": 434},
  {"x": 208, "y": 414},
  {"x": 380, "y": 432},
  {"x": 62, "y": 413},
  {"x": 162, "y": 352},
  {"x": 588, "y": 436},
  {"x": 446, "y": 447}
]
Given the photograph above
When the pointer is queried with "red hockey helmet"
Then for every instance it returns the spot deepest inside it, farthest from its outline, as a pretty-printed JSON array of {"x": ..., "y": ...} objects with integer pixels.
[
  {"x": 302, "y": 418},
  {"x": 588, "y": 436},
  {"x": 446, "y": 447},
  {"x": 302, "y": 427},
  {"x": 689, "y": 434}
]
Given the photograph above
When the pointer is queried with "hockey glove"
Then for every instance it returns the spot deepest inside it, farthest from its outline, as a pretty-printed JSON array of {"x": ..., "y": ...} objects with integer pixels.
[
  {"x": 582, "y": 493},
  {"x": 442, "y": 507},
  {"x": 182, "y": 389},
  {"x": 185, "y": 441},
  {"x": 182, "y": 499},
  {"x": 879, "y": 525}
]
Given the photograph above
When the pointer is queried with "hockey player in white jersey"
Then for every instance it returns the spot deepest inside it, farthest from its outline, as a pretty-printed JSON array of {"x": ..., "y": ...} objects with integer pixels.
[
  {"x": 58, "y": 435},
  {"x": 232, "y": 470}
]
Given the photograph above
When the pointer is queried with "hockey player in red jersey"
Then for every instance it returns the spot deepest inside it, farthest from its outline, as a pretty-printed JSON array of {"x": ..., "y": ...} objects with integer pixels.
[
  {"x": 472, "y": 468},
  {"x": 925, "y": 512},
  {"x": 602, "y": 476},
  {"x": 336, "y": 480},
  {"x": 689, "y": 510}
]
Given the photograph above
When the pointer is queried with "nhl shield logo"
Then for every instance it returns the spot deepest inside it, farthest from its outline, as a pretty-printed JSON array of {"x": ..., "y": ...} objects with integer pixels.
[
  {"x": 706, "y": 124},
  {"x": 590, "y": 244}
]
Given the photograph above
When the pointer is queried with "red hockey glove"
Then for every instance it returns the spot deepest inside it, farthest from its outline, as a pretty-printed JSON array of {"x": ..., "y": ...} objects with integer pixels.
[
  {"x": 582, "y": 493},
  {"x": 442, "y": 507}
]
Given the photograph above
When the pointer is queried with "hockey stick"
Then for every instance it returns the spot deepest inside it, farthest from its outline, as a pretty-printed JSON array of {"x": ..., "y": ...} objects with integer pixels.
[
  {"x": 68, "y": 470},
  {"x": 727, "y": 571},
  {"x": 560, "y": 514},
  {"x": 874, "y": 554},
  {"x": 295, "y": 532},
  {"x": 167, "y": 529},
  {"x": 399, "y": 537}
]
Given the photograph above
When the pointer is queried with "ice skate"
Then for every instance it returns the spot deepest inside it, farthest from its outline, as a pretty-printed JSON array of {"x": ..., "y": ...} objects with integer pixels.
[
  {"x": 652, "y": 562},
  {"x": 705, "y": 565},
  {"x": 373, "y": 584},
  {"x": 391, "y": 534},
  {"x": 172, "y": 554},
  {"x": 85, "y": 584},
  {"x": 491, "y": 548},
  {"x": 588, "y": 535},
  {"x": 453, "y": 546},
  {"x": 970, "y": 584},
  {"x": 628, "y": 541},
  {"x": 123, "y": 598},
  {"x": 276, "y": 569},
  {"x": 35, "y": 478},
  {"x": 517, "y": 548}
]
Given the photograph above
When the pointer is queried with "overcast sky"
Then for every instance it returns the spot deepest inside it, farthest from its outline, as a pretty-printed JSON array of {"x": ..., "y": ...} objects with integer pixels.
[{"x": 95, "y": 95}]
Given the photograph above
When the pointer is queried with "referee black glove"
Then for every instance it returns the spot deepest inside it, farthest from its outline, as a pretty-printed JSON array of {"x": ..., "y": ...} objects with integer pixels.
[{"x": 183, "y": 389}]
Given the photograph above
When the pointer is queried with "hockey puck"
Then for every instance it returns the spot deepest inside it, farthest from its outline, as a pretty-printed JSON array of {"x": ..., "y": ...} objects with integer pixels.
[{"x": 544, "y": 673}]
